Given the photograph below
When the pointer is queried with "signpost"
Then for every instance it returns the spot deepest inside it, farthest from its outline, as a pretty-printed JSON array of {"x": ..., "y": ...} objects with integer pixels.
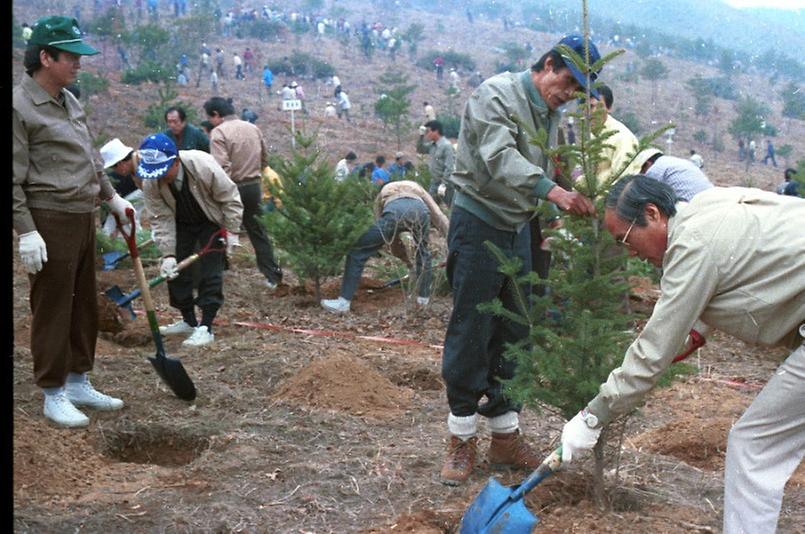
[{"x": 292, "y": 105}]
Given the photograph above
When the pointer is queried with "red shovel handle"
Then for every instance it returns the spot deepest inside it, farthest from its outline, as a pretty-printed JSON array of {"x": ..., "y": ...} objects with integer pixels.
[
  {"x": 696, "y": 341},
  {"x": 129, "y": 237}
]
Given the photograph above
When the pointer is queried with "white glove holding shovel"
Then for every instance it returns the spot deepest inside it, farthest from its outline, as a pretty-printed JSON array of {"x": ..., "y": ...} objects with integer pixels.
[
  {"x": 579, "y": 434},
  {"x": 232, "y": 241},
  {"x": 118, "y": 205},
  {"x": 167, "y": 269},
  {"x": 33, "y": 251}
]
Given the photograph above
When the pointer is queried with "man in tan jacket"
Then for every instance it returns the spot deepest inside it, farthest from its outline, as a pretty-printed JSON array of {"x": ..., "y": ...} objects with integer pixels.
[
  {"x": 734, "y": 259},
  {"x": 240, "y": 149},
  {"x": 399, "y": 207},
  {"x": 189, "y": 198}
]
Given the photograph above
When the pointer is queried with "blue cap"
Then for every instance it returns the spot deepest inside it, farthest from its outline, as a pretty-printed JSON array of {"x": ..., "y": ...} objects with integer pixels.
[
  {"x": 157, "y": 153},
  {"x": 576, "y": 43}
]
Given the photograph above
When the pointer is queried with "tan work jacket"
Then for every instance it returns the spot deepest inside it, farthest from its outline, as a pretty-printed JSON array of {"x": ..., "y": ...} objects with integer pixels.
[{"x": 735, "y": 258}]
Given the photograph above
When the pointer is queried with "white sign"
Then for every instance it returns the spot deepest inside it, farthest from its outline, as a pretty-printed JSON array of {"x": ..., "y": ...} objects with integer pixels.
[{"x": 291, "y": 105}]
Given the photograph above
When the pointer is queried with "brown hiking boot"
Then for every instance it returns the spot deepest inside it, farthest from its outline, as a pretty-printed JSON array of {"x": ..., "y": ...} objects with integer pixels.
[
  {"x": 460, "y": 460},
  {"x": 511, "y": 450}
]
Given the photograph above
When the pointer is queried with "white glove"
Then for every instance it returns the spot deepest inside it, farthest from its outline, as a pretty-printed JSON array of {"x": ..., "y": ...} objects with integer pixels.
[
  {"x": 232, "y": 241},
  {"x": 167, "y": 268},
  {"x": 33, "y": 251},
  {"x": 118, "y": 205},
  {"x": 422, "y": 130},
  {"x": 441, "y": 190},
  {"x": 577, "y": 436}
]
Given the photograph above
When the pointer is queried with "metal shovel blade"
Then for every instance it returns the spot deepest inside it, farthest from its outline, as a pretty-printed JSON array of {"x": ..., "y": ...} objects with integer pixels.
[
  {"x": 121, "y": 299},
  {"x": 173, "y": 373},
  {"x": 501, "y": 510},
  {"x": 495, "y": 510},
  {"x": 110, "y": 259}
]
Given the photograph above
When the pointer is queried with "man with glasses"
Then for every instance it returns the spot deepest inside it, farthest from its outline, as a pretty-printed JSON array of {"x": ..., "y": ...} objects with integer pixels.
[{"x": 733, "y": 259}]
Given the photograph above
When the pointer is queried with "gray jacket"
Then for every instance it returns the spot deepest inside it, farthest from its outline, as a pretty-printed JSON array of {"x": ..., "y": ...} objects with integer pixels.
[{"x": 500, "y": 175}]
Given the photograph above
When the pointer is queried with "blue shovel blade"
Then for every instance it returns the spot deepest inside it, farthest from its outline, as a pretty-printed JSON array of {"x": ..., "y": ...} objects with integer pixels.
[
  {"x": 495, "y": 511},
  {"x": 110, "y": 259}
]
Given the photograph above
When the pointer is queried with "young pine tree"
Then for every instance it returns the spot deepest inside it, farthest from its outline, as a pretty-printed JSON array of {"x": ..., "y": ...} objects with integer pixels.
[
  {"x": 579, "y": 330},
  {"x": 319, "y": 218}
]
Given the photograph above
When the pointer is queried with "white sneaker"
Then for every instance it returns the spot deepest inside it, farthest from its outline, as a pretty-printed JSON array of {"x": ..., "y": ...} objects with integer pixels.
[
  {"x": 271, "y": 285},
  {"x": 422, "y": 301},
  {"x": 339, "y": 305},
  {"x": 61, "y": 411},
  {"x": 83, "y": 394},
  {"x": 201, "y": 336},
  {"x": 175, "y": 329}
]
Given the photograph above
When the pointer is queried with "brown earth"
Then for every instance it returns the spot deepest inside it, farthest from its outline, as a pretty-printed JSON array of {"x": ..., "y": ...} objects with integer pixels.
[{"x": 317, "y": 425}]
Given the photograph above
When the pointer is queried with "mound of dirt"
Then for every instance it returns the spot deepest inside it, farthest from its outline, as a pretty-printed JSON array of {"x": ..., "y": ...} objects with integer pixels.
[
  {"x": 344, "y": 383},
  {"x": 692, "y": 440}
]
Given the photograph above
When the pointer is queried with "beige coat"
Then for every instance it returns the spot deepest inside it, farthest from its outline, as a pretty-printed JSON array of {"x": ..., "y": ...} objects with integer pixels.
[
  {"x": 215, "y": 193},
  {"x": 735, "y": 258}
]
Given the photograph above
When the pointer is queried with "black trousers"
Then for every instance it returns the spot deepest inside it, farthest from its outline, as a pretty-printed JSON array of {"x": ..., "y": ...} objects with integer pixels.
[
  {"x": 251, "y": 195},
  {"x": 190, "y": 239}
]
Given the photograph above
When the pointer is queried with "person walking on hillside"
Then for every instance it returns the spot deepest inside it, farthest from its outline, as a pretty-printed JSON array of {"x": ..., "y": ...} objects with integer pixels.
[
  {"x": 402, "y": 206},
  {"x": 343, "y": 105},
  {"x": 769, "y": 153},
  {"x": 248, "y": 60},
  {"x": 204, "y": 67},
  {"x": 238, "y": 63},
  {"x": 430, "y": 113},
  {"x": 268, "y": 80},
  {"x": 189, "y": 198},
  {"x": 219, "y": 63},
  {"x": 696, "y": 158},
  {"x": 56, "y": 182},
  {"x": 299, "y": 93},
  {"x": 240, "y": 148},
  {"x": 752, "y": 148},
  {"x": 499, "y": 177},
  {"x": 438, "y": 64},
  {"x": 441, "y": 162},
  {"x": 732, "y": 259}
]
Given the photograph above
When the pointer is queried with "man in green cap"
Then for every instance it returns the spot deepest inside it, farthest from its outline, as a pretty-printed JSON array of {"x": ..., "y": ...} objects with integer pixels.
[{"x": 56, "y": 180}]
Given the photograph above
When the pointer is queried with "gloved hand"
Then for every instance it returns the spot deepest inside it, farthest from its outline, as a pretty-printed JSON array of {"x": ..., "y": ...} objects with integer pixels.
[
  {"x": 577, "y": 436},
  {"x": 441, "y": 190},
  {"x": 33, "y": 251},
  {"x": 118, "y": 205},
  {"x": 422, "y": 130},
  {"x": 232, "y": 241},
  {"x": 167, "y": 269}
]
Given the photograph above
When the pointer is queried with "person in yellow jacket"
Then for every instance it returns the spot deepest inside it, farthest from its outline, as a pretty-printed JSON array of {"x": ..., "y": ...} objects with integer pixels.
[{"x": 270, "y": 176}]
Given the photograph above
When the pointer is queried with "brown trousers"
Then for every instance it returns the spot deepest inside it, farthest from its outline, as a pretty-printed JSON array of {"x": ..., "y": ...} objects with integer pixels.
[{"x": 63, "y": 298}]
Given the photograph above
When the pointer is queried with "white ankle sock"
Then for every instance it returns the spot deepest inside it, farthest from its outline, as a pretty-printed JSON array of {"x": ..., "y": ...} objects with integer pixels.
[
  {"x": 76, "y": 378},
  {"x": 49, "y": 392},
  {"x": 505, "y": 424},
  {"x": 463, "y": 428}
]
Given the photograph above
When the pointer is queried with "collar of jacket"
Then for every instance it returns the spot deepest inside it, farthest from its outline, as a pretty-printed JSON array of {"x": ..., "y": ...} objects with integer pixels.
[
  {"x": 229, "y": 118},
  {"x": 532, "y": 93},
  {"x": 38, "y": 95}
]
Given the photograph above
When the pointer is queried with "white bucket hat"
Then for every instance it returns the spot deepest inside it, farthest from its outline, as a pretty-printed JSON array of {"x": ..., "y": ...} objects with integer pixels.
[{"x": 114, "y": 152}]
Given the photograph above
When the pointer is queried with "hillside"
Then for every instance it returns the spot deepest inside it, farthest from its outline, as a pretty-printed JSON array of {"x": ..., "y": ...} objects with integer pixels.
[{"x": 118, "y": 113}]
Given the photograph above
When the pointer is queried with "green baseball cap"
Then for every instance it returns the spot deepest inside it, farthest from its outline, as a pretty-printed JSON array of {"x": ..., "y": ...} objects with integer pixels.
[{"x": 61, "y": 33}]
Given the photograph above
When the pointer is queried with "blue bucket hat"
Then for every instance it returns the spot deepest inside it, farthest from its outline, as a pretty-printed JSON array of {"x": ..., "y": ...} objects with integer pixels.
[
  {"x": 576, "y": 43},
  {"x": 157, "y": 153}
]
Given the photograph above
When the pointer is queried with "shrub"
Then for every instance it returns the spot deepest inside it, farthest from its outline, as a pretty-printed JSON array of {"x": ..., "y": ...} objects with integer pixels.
[
  {"x": 301, "y": 64},
  {"x": 147, "y": 71},
  {"x": 451, "y": 125},
  {"x": 265, "y": 30},
  {"x": 91, "y": 84},
  {"x": 451, "y": 59},
  {"x": 700, "y": 136},
  {"x": 630, "y": 120}
]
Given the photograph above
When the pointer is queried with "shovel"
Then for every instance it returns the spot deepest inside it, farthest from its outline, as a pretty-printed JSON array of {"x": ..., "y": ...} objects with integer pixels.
[
  {"x": 501, "y": 510},
  {"x": 170, "y": 370},
  {"x": 124, "y": 301},
  {"x": 111, "y": 258}
]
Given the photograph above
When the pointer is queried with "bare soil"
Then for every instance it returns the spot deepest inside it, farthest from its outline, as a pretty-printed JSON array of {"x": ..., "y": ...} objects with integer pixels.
[{"x": 310, "y": 422}]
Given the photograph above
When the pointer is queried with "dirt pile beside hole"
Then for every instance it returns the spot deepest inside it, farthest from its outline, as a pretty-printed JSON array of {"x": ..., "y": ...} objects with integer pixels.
[
  {"x": 692, "y": 440},
  {"x": 52, "y": 461},
  {"x": 344, "y": 383}
]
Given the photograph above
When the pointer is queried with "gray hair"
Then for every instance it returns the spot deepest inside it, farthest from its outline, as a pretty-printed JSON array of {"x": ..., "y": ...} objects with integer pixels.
[{"x": 629, "y": 196}]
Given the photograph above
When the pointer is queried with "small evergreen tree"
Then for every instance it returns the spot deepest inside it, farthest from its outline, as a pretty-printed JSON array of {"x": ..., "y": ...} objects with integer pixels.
[
  {"x": 393, "y": 105},
  {"x": 654, "y": 70},
  {"x": 319, "y": 218},
  {"x": 579, "y": 330},
  {"x": 749, "y": 121},
  {"x": 793, "y": 102}
]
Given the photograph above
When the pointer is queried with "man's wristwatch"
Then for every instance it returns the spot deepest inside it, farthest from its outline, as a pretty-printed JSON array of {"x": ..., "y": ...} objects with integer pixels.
[{"x": 590, "y": 419}]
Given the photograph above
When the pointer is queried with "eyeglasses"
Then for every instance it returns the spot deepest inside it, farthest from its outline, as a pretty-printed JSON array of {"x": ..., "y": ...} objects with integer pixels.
[{"x": 623, "y": 240}]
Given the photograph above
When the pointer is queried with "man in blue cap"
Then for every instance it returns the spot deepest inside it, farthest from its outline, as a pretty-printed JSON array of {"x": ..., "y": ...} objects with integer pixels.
[
  {"x": 57, "y": 179},
  {"x": 499, "y": 178},
  {"x": 189, "y": 198}
]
